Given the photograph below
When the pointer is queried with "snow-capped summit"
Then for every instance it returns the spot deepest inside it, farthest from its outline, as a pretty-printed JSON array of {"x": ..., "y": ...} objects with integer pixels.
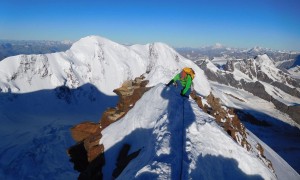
[
  {"x": 95, "y": 60},
  {"x": 88, "y": 46},
  {"x": 259, "y": 89},
  {"x": 43, "y": 95},
  {"x": 255, "y": 49},
  {"x": 261, "y": 77},
  {"x": 259, "y": 50},
  {"x": 218, "y": 46},
  {"x": 53, "y": 92},
  {"x": 265, "y": 60}
]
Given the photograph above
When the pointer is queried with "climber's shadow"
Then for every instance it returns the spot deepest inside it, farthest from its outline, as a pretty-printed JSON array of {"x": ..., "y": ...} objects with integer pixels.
[{"x": 181, "y": 116}]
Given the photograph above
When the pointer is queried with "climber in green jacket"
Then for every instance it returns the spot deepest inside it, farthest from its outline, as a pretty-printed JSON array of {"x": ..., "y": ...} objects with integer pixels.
[{"x": 184, "y": 81}]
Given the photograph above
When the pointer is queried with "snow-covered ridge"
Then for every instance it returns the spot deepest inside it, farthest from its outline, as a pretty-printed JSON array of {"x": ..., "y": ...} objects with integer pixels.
[
  {"x": 258, "y": 88},
  {"x": 182, "y": 141},
  {"x": 265, "y": 60},
  {"x": 96, "y": 60},
  {"x": 105, "y": 64},
  {"x": 262, "y": 70},
  {"x": 43, "y": 95}
]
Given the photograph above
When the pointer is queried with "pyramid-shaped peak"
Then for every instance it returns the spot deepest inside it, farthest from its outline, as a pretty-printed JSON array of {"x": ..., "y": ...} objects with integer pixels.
[{"x": 264, "y": 59}]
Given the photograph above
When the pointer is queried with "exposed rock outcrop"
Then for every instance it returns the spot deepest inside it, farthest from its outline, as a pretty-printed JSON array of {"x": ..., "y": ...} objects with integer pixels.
[
  {"x": 88, "y": 155},
  {"x": 229, "y": 120},
  {"x": 249, "y": 68}
]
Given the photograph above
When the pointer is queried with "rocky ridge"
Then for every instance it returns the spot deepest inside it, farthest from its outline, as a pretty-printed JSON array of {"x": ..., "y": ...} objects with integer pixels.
[
  {"x": 231, "y": 53},
  {"x": 229, "y": 120},
  {"x": 253, "y": 81},
  {"x": 88, "y": 155}
]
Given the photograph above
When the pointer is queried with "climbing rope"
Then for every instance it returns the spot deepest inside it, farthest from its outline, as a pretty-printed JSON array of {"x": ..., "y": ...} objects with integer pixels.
[{"x": 182, "y": 140}]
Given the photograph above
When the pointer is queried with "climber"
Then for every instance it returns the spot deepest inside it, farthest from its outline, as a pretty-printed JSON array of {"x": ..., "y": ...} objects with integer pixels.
[{"x": 183, "y": 80}]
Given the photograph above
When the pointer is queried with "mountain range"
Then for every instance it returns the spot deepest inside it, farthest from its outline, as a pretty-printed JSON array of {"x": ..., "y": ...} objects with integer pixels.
[
  {"x": 241, "y": 121},
  {"x": 16, "y": 47},
  {"x": 219, "y": 50}
]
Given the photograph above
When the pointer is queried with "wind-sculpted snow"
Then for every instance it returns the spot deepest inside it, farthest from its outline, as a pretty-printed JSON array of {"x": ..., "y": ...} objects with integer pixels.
[
  {"x": 280, "y": 132},
  {"x": 260, "y": 77},
  {"x": 95, "y": 60},
  {"x": 44, "y": 95},
  {"x": 53, "y": 92},
  {"x": 176, "y": 139}
]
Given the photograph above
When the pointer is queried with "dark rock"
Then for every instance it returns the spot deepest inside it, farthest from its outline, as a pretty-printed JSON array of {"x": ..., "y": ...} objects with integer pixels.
[{"x": 88, "y": 134}]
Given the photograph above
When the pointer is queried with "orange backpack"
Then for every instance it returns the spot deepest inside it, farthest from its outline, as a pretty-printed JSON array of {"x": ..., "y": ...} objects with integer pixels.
[{"x": 186, "y": 71}]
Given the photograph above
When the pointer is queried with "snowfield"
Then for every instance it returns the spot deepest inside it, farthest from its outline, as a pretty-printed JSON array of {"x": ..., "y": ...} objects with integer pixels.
[
  {"x": 43, "y": 96},
  {"x": 177, "y": 139},
  {"x": 95, "y": 60}
]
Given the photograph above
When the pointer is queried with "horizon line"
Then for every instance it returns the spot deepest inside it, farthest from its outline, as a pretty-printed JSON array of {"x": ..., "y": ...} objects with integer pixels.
[{"x": 173, "y": 46}]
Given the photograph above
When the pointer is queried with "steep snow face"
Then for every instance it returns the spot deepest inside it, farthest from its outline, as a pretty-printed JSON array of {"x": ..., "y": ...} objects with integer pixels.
[
  {"x": 260, "y": 71},
  {"x": 281, "y": 96},
  {"x": 241, "y": 99},
  {"x": 261, "y": 68},
  {"x": 94, "y": 60},
  {"x": 161, "y": 70},
  {"x": 176, "y": 139},
  {"x": 23, "y": 72},
  {"x": 256, "y": 88},
  {"x": 43, "y": 96},
  {"x": 281, "y": 133},
  {"x": 268, "y": 67},
  {"x": 295, "y": 71}
]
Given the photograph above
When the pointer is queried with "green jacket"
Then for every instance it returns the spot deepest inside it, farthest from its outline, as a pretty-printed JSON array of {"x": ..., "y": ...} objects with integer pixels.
[{"x": 186, "y": 82}]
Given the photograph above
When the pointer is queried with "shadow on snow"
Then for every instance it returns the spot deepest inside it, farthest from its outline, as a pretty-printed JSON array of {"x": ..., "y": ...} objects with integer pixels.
[
  {"x": 208, "y": 167},
  {"x": 219, "y": 167},
  {"x": 35, "y": 128},
  {"x": 280, "y": 136}
]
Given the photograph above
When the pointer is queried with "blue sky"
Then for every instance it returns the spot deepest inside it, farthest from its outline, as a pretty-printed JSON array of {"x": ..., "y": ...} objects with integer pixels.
[{"x": 236, "y": 23}]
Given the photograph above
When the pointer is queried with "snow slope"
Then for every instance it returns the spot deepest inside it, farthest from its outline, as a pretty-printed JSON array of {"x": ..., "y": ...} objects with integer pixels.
[
  {"x": 96, "y": 60},
  {"x": 43, "y": 96},
  {"x": 35, "y": 131},
  {"x": 177, "y": 139},
  {"x": 262, "y": 69},
  {"x": 282, "y": 168},
  {"x": 248, "y": 86},
  {"x": 281, "y": 134},
  {"x": 295, "y": 71},
  {"x": 242, "y": 99}
]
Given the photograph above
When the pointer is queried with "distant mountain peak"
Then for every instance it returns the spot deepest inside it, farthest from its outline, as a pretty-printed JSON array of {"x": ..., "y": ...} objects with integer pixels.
[
  {"x": 256, "y": 49},
  {"x": 173, "y": 137},
  {"x": 264, "y": 60},
  {"x": 67, "y": 42},
  {"x": 218, "y": 45}
]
